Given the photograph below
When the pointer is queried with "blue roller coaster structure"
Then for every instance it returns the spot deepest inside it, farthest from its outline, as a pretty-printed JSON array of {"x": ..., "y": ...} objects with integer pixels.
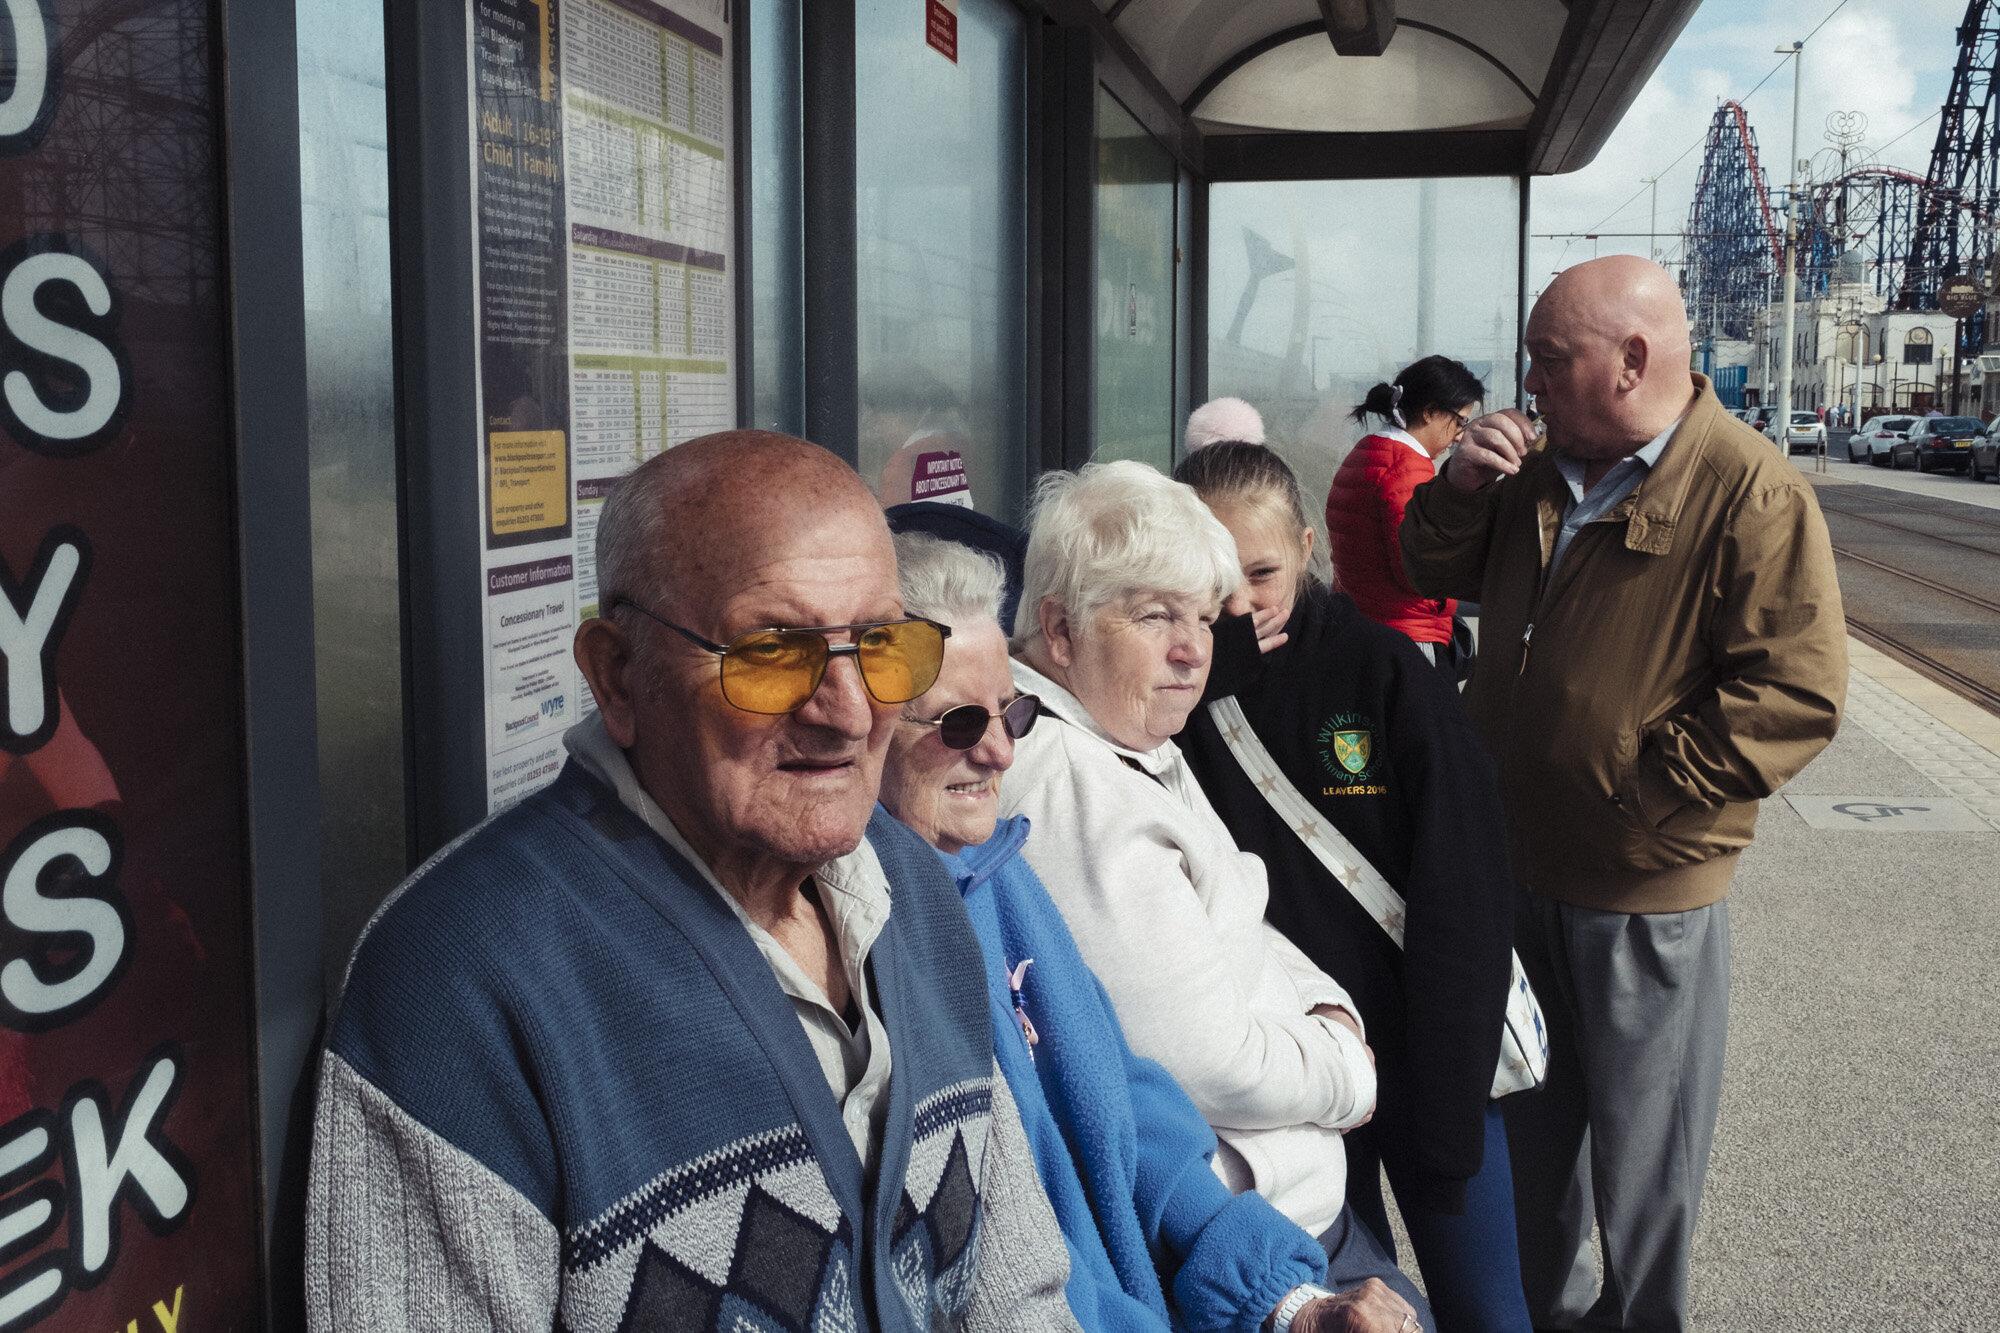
[
  {"x": 1898, "y": 233},
  {"x": 1733, "y": 242}
]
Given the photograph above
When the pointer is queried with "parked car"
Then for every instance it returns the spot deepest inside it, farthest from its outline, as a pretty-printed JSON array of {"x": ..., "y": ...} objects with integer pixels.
[
  {"x": 1934, "y": 443},
  {"x": 1875, "y": 441},
  {"x": 1807, "y": 432},
  {"x": 1761, "y": 418},
  {"x": 1985, "y": 453}
]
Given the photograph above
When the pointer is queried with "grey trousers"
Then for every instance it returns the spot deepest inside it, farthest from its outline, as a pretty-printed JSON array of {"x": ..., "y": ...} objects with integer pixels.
[{"x": 1638, "y": 1012}]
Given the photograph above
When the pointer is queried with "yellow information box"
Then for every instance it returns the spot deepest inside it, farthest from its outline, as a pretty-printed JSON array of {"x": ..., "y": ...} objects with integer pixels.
[{"x": 527, "y": 482}]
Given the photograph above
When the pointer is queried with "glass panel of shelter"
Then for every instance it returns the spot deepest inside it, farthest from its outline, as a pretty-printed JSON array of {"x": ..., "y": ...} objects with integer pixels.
[
  {"x": 1319, "y": 289},
  {"x": 1137, "y": 225},
  {"x": 940, "y": 165},
  {"x": 776, "y": 335},
  {"x": 350, "y": 341}
]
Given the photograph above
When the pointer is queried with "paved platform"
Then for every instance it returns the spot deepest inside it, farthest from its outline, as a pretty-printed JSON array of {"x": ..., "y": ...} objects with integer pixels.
[{"x": 1858, "y": 1151}]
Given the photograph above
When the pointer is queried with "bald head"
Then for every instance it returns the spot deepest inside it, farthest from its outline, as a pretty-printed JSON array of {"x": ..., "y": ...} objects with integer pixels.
[
  {"x": 684, "y": 522},
  {"x": 1617, "y": 297},
  {"x": 720, "y": 537},
  {"x": 1609, "y": 346}
]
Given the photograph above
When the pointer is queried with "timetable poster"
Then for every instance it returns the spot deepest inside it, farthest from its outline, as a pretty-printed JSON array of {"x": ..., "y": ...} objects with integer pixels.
[{"x": 607, "y": 291}]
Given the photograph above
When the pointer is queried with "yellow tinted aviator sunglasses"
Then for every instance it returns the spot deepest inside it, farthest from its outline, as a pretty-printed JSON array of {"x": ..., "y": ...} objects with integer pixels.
[{"x": 775, "y": 671}]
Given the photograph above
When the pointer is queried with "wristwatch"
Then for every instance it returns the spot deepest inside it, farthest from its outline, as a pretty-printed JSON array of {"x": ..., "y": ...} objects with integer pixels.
[{"x": 1296, "y": 1300}]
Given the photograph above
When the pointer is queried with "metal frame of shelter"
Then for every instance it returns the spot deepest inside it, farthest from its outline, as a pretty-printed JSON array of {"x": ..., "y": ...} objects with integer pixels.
[
  {"x": 238, "y": 164},
  {"x": 1598, "y": 54}
]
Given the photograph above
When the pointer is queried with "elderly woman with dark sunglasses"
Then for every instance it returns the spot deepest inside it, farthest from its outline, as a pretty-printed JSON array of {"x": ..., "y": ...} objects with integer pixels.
[{"x": 1121, "y": 1150}]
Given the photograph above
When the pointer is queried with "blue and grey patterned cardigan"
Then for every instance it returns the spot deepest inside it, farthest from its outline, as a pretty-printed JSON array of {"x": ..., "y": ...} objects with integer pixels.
[{"x": 565, "y": 1090}]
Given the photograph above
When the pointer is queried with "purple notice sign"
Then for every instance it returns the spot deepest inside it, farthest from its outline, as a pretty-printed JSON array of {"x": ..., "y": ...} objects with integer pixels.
[{"x": 940, "y": 476}]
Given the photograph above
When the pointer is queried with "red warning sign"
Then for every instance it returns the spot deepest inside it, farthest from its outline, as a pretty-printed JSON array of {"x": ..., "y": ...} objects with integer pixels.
[{"x": 941, "y": 27}]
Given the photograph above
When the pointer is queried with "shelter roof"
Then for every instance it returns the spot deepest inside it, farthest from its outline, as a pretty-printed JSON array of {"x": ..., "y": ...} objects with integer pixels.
[{"x": 1543, "y": 82}]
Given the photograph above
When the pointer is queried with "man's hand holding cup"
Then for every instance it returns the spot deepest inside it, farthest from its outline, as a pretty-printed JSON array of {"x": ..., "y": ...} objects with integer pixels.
[{"x": 1492, "y": 447}]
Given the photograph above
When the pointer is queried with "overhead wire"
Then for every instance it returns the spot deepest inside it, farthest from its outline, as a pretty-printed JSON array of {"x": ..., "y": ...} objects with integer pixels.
[
  {"x": 1842, "y": 4},
  {"x": 1912, "y": 130}
]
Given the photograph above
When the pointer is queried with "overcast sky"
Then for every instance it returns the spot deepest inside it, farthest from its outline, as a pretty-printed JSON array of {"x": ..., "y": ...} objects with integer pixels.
[{"x": 1891, "y": 60}]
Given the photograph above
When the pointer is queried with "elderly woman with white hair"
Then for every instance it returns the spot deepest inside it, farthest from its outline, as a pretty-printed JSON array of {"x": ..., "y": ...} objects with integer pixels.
[
  {"x": 1156, "y": 1241},
  {"x": 1125, "y": 573}
]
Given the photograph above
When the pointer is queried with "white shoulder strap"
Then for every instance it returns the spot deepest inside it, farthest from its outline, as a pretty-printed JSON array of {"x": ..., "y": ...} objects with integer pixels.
[{"x": 1321, "y": 838}]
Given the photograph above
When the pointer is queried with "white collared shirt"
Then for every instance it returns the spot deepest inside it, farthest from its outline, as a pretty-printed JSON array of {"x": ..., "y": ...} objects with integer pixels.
[
  {"x": 1389, "y": 432},
  {"x": 1623, "y": 478},
  {"x": 855, "y": 895}
]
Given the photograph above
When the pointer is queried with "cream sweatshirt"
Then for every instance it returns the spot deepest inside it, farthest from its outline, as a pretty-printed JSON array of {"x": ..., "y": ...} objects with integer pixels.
[{"x": 1170, "y": 916}]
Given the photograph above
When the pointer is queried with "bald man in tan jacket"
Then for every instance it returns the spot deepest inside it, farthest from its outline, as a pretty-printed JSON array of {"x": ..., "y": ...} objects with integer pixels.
[{"x": 1662, "y": 645}]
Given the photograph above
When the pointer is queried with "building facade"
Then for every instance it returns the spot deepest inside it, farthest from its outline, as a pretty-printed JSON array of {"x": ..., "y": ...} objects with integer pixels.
[{"x": 1850, "y": 351}]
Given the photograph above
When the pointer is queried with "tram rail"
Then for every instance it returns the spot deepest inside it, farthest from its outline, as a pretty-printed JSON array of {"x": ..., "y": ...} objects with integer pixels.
[
  {"x": 1939, "y": 639},
  {"x": 1924, "y": 664},
  {"x": 1929, "y": 536},
  {"x": 1881, "y": 496},
  {"x": 1984, "y": 604}
]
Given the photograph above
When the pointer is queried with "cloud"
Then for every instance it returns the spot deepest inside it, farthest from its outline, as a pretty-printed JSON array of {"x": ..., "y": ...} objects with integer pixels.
[{"x": 1891, "y": 60}]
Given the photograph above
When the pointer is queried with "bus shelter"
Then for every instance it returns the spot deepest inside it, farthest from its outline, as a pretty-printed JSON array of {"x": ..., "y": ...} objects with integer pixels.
[{"x": 326, "y": 329}]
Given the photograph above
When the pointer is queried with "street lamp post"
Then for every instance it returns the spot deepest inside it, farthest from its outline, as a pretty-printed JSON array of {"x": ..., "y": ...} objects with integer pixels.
[
  {"x": 1797, "y": 52},
  {"x": 1856, "y": 331}
]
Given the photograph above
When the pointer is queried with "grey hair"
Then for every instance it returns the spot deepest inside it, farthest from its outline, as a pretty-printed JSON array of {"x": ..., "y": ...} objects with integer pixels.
[
  {"x": 631, "y": 532},
  {"x": 948, "y": 581},
  {"x": 1109, "y": 530}
]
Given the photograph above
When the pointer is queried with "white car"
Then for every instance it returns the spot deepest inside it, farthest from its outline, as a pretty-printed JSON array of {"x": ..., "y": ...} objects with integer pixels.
[
  {"x": 1875, "y": 442},
  {"x": 1807, "y": 432}
]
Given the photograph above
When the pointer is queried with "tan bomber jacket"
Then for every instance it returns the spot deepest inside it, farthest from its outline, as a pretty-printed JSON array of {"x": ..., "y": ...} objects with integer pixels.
[{"x": 1689, "y": 657}]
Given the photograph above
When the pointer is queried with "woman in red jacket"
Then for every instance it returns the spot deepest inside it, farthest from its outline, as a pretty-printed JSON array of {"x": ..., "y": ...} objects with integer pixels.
[{"x": 1423, "y": 414}]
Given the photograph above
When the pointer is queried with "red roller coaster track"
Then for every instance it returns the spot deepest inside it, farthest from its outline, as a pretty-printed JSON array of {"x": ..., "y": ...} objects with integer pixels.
[{"x": 1757, "y": 182}]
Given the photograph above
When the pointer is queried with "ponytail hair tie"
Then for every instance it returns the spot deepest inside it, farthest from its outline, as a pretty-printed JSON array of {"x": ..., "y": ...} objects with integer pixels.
[{"x": 1396, "y": 406}]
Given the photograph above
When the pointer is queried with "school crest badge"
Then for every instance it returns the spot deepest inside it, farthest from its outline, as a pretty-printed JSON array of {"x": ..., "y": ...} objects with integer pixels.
[
  {"x": 1347, "y": 752},
  {"x": 1353, "y": 750}
]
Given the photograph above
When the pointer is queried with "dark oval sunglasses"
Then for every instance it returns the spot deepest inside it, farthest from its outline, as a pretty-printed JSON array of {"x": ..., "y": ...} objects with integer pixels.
[{"x": 965, "y": 726}]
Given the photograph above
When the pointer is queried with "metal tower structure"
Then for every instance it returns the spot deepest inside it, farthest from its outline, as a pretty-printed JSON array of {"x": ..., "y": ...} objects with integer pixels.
[
  {"x": 1954, "y": 229},
  {"x": 1871, "y": 213},
  {"x": 1734, "y": 246},
  {"x": 123, "y": 165}
]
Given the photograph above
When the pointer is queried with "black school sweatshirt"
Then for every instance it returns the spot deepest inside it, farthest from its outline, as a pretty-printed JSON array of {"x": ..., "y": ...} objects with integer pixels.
[{"x": 1377, "y": 740}]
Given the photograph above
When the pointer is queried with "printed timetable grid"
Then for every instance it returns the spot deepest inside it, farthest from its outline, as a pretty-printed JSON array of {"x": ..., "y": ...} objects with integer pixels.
[
  {"x": 623, "y": 410},
  {"x": 673, "y": 75},
  {"x": 635, "y": 177},
  {"x": 646, "y": 115},
  {"x": 627, "y": 302}
]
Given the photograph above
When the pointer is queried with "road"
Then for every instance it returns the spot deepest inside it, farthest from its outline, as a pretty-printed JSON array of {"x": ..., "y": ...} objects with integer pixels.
[{"x": 1919, "y": 562}]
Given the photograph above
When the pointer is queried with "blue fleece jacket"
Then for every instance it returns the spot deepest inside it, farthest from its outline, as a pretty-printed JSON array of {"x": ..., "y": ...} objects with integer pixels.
[{"x": 1123, "y": 1154}]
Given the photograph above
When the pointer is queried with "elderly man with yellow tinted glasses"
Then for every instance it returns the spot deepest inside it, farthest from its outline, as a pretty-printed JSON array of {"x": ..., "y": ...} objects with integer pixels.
[{"x": 695, "y": 1037}]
